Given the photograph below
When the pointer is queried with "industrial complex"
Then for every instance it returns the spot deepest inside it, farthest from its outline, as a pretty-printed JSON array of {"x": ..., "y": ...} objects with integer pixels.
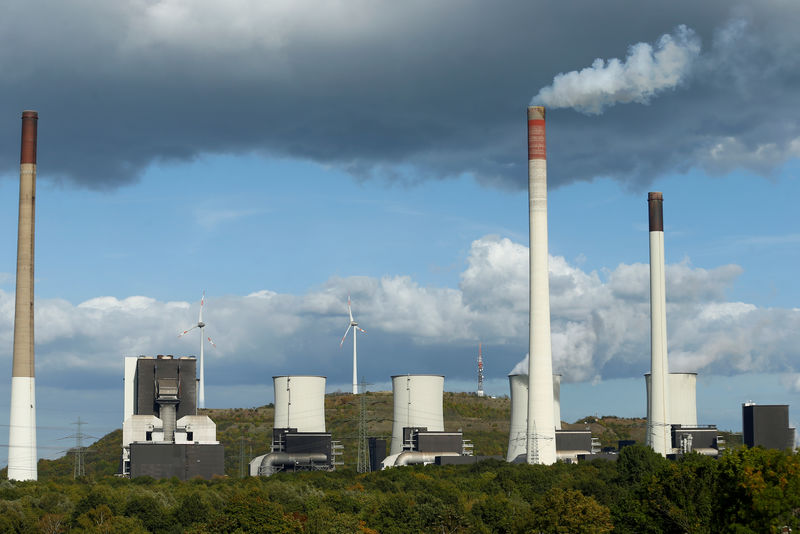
[{"x": 164, "y": 436}]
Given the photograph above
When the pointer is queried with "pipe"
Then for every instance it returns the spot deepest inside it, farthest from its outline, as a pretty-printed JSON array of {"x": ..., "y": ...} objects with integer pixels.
[
  {"x": 166, "y": 413},
  {"x": 22, "y": 456},
  {"x": 541, "y": 433},
  {"x": 417, "y": 457},
  {"x": 706, "y": 451},
  {"x": 658, "y": 419},
  {"x": 284, "y": 458}
]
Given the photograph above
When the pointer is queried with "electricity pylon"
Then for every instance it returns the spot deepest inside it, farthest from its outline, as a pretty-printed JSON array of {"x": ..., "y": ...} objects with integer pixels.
[{"x": 363, "y": 453}]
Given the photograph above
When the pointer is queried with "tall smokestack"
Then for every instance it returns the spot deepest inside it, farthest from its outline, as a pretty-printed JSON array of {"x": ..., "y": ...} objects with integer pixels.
[
  {"x": 658, "y": 428},
  {"x": 541, "y": 442},
  {"x": 22, "y": 422}
]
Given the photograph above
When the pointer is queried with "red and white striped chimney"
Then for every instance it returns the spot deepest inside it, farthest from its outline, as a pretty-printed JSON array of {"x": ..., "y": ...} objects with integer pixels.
[
  {"x": 22, "y": 421},
  {"x": 541, "y": 439}
]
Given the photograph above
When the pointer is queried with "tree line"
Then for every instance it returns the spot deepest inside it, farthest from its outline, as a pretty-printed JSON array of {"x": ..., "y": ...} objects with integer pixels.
[{"x": 743, "y": 491}]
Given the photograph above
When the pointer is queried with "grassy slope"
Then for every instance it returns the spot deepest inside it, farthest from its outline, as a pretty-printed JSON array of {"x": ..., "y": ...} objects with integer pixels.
[{"x": 483, "y": 420}]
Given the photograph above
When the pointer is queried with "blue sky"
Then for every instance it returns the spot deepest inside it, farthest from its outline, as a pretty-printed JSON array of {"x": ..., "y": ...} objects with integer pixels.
[{"x": 312, "y": 168}]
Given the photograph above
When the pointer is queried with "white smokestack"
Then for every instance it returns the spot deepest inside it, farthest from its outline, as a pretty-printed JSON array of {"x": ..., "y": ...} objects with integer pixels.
[
  {"x": 643, "y": 74},
  {"x": 541, "y": 439},
  {"x": 658, "y": 419},
  {"x": 22, "y": 421}
]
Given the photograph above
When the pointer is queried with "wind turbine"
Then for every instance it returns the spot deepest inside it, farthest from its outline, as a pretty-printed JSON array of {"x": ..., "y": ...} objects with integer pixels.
[
  {"x": 201, "y": 392},
  {"x": 354, "y": 325}
]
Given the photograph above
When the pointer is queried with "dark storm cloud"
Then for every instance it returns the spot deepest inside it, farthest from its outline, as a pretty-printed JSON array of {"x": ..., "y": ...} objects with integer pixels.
[{"x": 377, "y": 87}]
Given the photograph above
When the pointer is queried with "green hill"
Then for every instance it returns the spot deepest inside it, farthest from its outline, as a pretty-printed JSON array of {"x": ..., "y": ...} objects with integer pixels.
[{"x": 247, "y": 432}]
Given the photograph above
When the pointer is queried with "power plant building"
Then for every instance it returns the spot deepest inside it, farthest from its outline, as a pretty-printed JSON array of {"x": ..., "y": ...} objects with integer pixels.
[
  {"x": 767, "y": 426},
  {"x": 570, "y": 444},
  {"x": 418, "y": 401},
  {"x": 299, "y": 439},
  {"x": 517, "y": 440},
  {"x": 162, "y": 435},
  {"x": 418, "y": 435},
  {"x": 682, "y": 398}
]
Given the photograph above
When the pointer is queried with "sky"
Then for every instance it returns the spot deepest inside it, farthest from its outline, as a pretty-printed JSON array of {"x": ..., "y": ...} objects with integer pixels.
[{"x": 281, "y": 156}]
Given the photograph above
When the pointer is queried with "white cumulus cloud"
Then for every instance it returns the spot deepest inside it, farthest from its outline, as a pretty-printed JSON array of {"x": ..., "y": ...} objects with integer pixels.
[{"x": 600, "y": 326}]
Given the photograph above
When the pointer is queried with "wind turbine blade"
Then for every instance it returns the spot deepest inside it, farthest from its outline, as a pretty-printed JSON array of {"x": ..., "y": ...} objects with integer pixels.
[
  {"x": 212, "y": 343},
  {"x": 349, "y": 309},
  {"x": 362, "y": 330},
  {"x": 187, "y": 331},
  {"x": 345, "y": 335},
  {"x": 202, "y": 303}
]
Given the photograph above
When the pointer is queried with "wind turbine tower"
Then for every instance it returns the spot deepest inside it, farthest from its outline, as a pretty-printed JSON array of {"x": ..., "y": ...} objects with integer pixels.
[
  {"x": 480, "y": 371},
  {"x": 201, "y": 391},
  {"x": 354, "y": 325}
]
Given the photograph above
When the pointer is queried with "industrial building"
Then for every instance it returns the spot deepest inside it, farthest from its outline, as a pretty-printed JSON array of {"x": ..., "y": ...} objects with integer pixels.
[
  {"x": 299, "y": 439},
  {"x": 685, "y": 434},
  {"x": 767, "y": 426},
  {"x": 376, "y": 448},
  {"x": 682, "y": 398},
  {"x": 418, "y": 402},
  {"x": 570, "y": 444},
  {"x": 418, "y": 435},
  {"x": 517, "y": 438},
  {"x": 162, "y": 435},
  {"x": 698, "y": 439}
]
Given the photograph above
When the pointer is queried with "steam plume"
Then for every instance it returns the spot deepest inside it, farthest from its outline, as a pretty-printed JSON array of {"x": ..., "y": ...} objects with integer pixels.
[
  {"x": 646, "y": 72},
  {"x": 521, "y": 368}
]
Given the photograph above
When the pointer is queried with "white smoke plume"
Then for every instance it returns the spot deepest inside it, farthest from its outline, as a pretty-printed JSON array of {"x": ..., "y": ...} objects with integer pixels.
[
  {"x": 791, "y": 381},
  {"x": 646, "y": 72},
  {"x": 521, "y": 368}
]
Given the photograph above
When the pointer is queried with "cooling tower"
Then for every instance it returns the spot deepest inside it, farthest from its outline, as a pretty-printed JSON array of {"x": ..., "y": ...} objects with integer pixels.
[
  {"x": 682, "y": 398},
  {"x": 22, "y": 419},
  {"x": 417, "y": 403},
  {"x": 658, "y": 419},
  {"x": 557, "y": 400},
  {"x": 519, "y": 413},
  {"x": 541, "y": 447},
  {"x": 300, "y": 402}
]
